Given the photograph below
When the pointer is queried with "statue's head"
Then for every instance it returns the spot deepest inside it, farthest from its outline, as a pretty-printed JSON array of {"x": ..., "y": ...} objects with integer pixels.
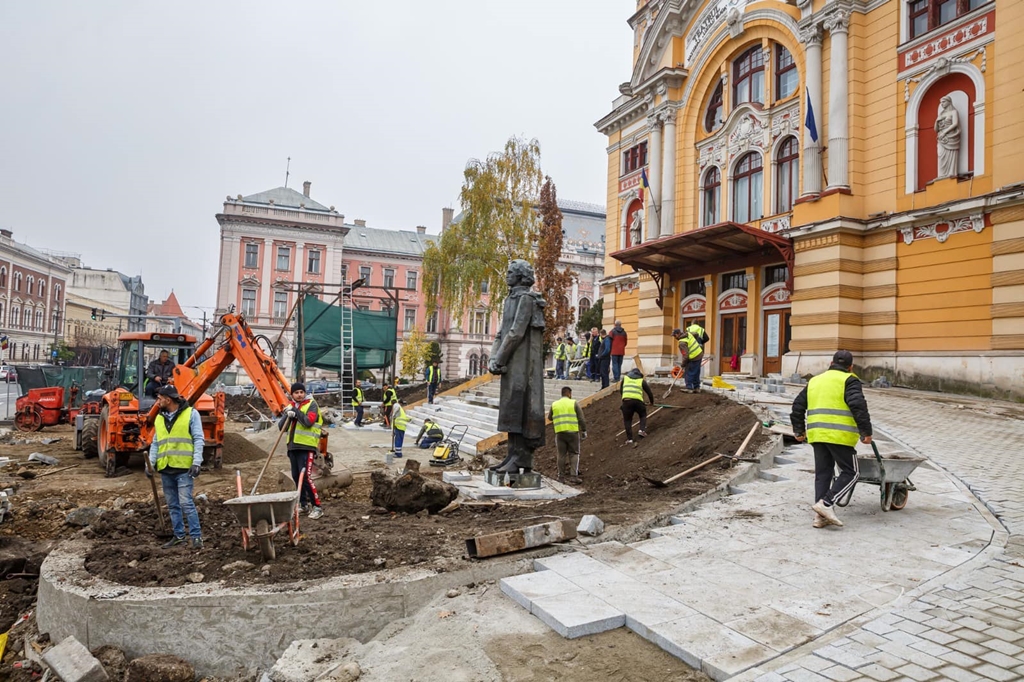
[
  {"x": 520, "y": 273},
  {"x": 946, "y": 102}
]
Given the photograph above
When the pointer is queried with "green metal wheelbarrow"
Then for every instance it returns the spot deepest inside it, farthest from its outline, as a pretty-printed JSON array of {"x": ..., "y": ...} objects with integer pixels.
[{"x": 891, "y": 475}]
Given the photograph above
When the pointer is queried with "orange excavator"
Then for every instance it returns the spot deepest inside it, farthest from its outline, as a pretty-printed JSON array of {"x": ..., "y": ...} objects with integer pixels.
[{"x": 124, "y": 425}]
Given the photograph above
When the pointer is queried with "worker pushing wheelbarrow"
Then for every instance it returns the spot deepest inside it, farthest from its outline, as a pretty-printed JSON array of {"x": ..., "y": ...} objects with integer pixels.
[{"x": 890, "y": 474}]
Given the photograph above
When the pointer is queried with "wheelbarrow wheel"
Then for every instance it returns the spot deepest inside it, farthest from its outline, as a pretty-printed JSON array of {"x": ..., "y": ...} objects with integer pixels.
[
  {"x": 899, "y": 497},
  {"x": 266, "y": 540}
]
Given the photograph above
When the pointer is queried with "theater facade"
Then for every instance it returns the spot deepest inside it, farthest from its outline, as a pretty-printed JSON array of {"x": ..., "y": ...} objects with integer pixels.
[{"x": 823, "y": 174}]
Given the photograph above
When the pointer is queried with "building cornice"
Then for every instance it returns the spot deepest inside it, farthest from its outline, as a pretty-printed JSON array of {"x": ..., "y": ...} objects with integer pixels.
[{"x": 255, "y": 221}]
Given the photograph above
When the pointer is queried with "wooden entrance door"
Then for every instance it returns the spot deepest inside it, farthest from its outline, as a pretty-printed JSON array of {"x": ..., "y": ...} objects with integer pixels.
[
  {"x": 734, "y": 340},
  {"x": 776, "y": 339}
]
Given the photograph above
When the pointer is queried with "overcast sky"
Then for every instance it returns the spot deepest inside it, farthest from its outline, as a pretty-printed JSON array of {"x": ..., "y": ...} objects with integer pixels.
[{"x": 123, "y": 125}]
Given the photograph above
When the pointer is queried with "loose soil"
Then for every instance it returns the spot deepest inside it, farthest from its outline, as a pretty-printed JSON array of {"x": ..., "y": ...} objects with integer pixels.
[{"x": 355, "y": 537}]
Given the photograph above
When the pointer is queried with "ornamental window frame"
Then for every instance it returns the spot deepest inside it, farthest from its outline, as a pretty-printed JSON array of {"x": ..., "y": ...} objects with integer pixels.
[
  {"x": 711, "y": 187},
  {"x": 780, "y": 163},
  {"x": 750, "y": 174},
  {"x": 932, "y": 13},
  {"x": 747, "y": 68},
  {"x": 782, "y": 68}
]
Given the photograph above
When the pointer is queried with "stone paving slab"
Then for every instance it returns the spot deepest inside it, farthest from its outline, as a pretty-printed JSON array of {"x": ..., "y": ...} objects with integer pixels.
[
  {"x": 526, "y": 588},
  {"x": 576, "y": 614}
]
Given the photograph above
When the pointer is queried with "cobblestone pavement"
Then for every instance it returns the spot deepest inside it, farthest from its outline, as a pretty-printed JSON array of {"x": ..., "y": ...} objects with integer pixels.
[{"x": 971, "y": 626}]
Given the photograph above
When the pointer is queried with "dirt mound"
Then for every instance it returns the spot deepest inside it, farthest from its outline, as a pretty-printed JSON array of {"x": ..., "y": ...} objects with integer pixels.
[
  {"x": 356, "y": 537},
  {"x": 238, "y": 449}
]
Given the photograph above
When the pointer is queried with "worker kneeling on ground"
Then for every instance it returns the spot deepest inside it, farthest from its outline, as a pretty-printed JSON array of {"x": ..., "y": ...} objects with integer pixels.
[
  {"x": 304, "y": 422},
  {"x": 691, "y": 354},
  {"x": 430, "y": 435},
  {"x": 567, "y": 418},
  {"x": 177, "y": 453},
  {"x": 632, "y": 389},
  {"x": 832, "y": 414},
  {"x": 401, "y": 420}
]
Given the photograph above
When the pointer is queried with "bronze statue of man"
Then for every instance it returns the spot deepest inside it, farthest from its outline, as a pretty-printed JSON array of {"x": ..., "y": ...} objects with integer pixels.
[{"x": 518, "y": 356}]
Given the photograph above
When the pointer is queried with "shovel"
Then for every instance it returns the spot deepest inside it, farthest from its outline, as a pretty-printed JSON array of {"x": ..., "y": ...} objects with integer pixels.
[
  {"x": 743, "y": 446},
  {"x": 673, "y": 384},
  {"x": 270, "y": 456},
  {"x": 163, "y": 532}
]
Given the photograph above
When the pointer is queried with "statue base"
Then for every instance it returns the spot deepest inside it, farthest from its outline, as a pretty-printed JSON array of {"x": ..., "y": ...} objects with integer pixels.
[{"x": 530, "y": 480}]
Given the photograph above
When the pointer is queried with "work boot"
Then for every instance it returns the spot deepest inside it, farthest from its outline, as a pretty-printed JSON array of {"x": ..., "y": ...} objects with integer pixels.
[
  {"x": 316, "y": 513},
  {"x": 630, "y": 442},
  {"x": 498, "y": 467},
  {"x": 819, "y": 521},
  {"x": 197, "y": 543},
  {"x": 642, "y": 434},
  {"x": 174, "y": 542},
  {"x": 827, "y": 513},
  {"x": 304, "y": 509}
]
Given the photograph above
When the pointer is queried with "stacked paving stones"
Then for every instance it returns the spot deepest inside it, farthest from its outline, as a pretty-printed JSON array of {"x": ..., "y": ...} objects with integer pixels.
[
  {"x": 478, "y": 409},
  {"x": 742, "y": 581}
]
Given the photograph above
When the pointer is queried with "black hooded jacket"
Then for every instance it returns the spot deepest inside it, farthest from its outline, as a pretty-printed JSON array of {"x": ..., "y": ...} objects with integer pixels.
[
  {"x": 635, "y": 374},
  {"x": 854, "y": 397}
]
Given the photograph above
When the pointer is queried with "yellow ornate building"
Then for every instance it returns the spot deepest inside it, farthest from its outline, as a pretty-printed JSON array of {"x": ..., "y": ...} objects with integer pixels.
[{"x": 824, "y": 174}]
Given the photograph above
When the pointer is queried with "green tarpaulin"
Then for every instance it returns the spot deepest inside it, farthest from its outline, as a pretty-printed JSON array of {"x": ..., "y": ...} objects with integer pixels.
[
  {"x": 373, "y": 336},
  {"x": 53, "y": 376}
]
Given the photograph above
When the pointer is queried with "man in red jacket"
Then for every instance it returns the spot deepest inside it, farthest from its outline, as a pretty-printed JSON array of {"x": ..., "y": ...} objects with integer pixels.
[{"x": 619, "y": 339}]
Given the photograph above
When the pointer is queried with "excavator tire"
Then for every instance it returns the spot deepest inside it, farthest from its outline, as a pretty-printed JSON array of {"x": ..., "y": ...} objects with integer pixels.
[{"x": 90, "y": 431}]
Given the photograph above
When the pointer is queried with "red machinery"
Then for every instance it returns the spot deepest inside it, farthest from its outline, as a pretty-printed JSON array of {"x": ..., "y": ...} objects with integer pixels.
[{"x": 46, "y": 407}]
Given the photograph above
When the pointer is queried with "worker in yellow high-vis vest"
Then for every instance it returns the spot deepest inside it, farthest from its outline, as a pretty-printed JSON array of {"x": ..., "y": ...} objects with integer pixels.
[
  {"x": 303, "y": 421},
  {"x": 632, "y": 389},
  {"x": 832, "y": 414},
  {"x": 570, "y": 428},
  {"x": 561, "y": 358},
  {"x": 177, "y": 454}
]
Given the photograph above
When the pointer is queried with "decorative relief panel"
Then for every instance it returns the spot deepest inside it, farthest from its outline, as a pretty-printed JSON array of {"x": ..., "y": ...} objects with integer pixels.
[
  {"x": 950, "y": 40},
  {"x": 732, "y": 301},
  {"x": 775, "y": 224},
  {"x": 693, "y": 305},
  {"x": 942, "y": 229},
  {"x": 776, "y": 296}
]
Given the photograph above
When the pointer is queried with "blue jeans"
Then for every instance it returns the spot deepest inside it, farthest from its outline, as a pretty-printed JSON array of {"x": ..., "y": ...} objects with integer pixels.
[
  {"x": 559, "y": 369},
  {"x": 178, "y": 496},
  {"x": 428, "y": 443},
  {"x": 431, "y": 391},
  {"x": 616, "y": 367},
  {"x": 359, "y": 415},
  {"x": 693, "y": 374},
  {"x": 399, "y": 438}
]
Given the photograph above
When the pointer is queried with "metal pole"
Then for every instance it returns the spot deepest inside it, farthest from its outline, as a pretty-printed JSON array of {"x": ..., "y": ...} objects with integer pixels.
[{"x": 301, "y": 375}]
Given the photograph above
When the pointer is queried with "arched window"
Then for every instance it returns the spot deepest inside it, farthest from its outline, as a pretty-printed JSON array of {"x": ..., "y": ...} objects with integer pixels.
[
  {"x": 53, "y": 322},
  {"x": 714, "y": 116},
  {"x": 748, "y": 185},
  {"x": 787, "y": 178},
  {"x": 17, "y": 281},
  {"x": 31, "y": 284},
  {"x": 3, "y": 278},
  {"x": 15, "y": 317},
  {"x": 474, "y": 365},
  {"x": 786, "y": 76},
  {"x": 56, "y": 292},
  {"x": 748, "y": 77},
  {"x": 483, "y": 364},
  {"x": 42, "y": 288},
  {"x": 711, "y": 191},
  {"x": 584, "y": 305},
  {"x": 39, "y": 320}
]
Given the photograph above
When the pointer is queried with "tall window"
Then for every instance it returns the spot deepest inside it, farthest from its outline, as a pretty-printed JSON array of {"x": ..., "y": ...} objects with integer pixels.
[
  {"x": 53, "y": 322},
  {"x": 284, "y": 258},
  {"x": 39, "y": 320},
  {"x": 364, "y": 273},
  {"x": 3, "y": 278},
  {"x": 389, "y": 277},
  {"x": 15, "y": 316},
  {"x": 249, "y": 302},
  {"x": 410, "y": 319},
  {"x": 693, "y": 287},
  {"x": 344, "y": 272},
  {"x": 280, "y": 305},
  {"x": 584, "y": 305},
  {"x": 42, "y": 289},
  {"x": 474, "y": 365},
  {"x": 748, "y": 77},
  {"x": 786, "y": 76},
  {"x": 481, "y": 323},
  {"x": 635, "y": 158},
  {"x": 734, "y": 280},
  {"x": 712, "y": 195},
  {"x": 775, "y": 274},
  {"x": 56, "y": 292},
  {"x": 432, "y": 323},
  {"x": 313, "y": 263},
  {"x": 485, "y": 287},
  {"x": 31, "y": 282},
  {"x": 17, "y": 281},
  {"x": 787, "y": 178},
  {"x": 713, "y": 118},
  {"x": 748, "y": 184},
  {"x": 928, "y": 15},
  {"x": 410, "y": 280},
  {"x": 252, "y": 255}
]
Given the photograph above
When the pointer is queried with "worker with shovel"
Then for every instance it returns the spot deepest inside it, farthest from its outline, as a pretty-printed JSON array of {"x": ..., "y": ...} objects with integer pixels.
[
  {"x": 691, "y": 354},
  {"x": 177, "y": 453},
  {"x": 632, "y": 389},
  {"x": 832, "y": 414},
  {"x": 303, "y": 420},
  {"x": 387, "y": 403},
  {"x": 570, "y": 427}
]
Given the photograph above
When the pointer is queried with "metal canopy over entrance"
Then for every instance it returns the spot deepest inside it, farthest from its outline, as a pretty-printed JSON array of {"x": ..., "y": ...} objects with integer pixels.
[{"x": 716, "y": 248}]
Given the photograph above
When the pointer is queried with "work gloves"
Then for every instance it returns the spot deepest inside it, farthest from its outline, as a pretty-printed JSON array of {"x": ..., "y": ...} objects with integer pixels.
[
  {"x": 149, "y": 472},
  {"x": 291, "y": 412},
  {"x": 194, "y": 471}
]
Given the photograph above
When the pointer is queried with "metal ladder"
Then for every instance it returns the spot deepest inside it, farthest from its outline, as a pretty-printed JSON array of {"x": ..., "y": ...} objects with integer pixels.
[{"x": 348, "y": 353}]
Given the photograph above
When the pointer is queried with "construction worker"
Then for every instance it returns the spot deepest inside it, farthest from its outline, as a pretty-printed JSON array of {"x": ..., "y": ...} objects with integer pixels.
[
  {"x": 604, "y": 358},
  {"x": 691, "y": 353},
  {"x": 433, "y": 377},
  {"x": 303, "y": 420},
  {"x": 595, "y": 349},
  {"x": 398, "y": 432},
  {"x": 177, "y": 453},
  {"x": 570, "y": 428},
  {"x": 585, "y": 353},
  {"x": 430, "y": 434},
  {"x": 698, "y": 333},
  {"x": 357, "y": 402},
  {"x": 387, "y": 402},
  {"x": 832, "y": 414},
  {"x": 560, "y": 358},
  {"x": 159, "y": 373},
  {"x": 632, "y": 389}
]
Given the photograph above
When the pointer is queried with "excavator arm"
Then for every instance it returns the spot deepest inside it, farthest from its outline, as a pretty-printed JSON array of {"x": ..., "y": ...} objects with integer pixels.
[{"x": 237, "y": 343}]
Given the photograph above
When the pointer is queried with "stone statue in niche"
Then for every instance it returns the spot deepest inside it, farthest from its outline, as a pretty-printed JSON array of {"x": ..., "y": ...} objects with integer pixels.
[
  {"x": 947, "y": 134},
  {"x": 636, "y": 228}
]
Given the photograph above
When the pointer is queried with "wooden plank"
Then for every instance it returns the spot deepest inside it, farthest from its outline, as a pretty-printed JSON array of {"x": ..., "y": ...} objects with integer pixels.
[{"x": 504, "y": 542}]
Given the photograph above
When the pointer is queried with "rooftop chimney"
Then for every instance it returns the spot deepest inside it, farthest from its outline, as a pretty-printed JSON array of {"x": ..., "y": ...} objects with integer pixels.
[
  {"x": 360, "y": 222},
  {"x": 446, "y": 217},
  {"x": 421, "y": 229},
  {"x": 305, "y": 187},
  {"x": 6, "y": 233}
]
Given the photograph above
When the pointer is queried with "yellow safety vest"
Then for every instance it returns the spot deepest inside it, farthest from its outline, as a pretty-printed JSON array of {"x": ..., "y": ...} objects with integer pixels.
[
  {"x": 389, "y": 397},
  {"x": 401, "y": 419},
  {"x": 433, "y": 430},
  {"x": 357, "y": 398},
  {"x": 697, "y": 331},
  {"x": 174, "y": 448},
  {"x": 829, "y": 419},
  {"x": 572, "y": 351},
  {"x": 308, "y": 435},
  {"x": 432, "y": 376},
  {"x": 632, "y": 389},
  {"x": 693, "y": 347},
  {"x": 586, "y": 349},
  {"x": 563, "y": 413},
  {"x": 560, "y": 352}
]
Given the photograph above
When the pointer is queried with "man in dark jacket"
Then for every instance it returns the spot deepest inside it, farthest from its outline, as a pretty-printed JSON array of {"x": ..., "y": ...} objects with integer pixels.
[
  {"x": 604, "y": 358},
  {"x": 159, "y": 373},
  {"x": 303, "y": 421},
  {"x": 433, "y": 376},
  {"x": 832, "y": 414},
  {"x": 632, "y": 390},
  {"x": 619, "y": 338},
  {"x": 595, "y": 361}
]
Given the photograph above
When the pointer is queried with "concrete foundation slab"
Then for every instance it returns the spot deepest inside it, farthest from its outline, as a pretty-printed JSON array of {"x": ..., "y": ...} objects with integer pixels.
[
  {"x": 477, "y": 488},
  {"x": 525, "y": 589},
  {"x": 576, "y": 614}
]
